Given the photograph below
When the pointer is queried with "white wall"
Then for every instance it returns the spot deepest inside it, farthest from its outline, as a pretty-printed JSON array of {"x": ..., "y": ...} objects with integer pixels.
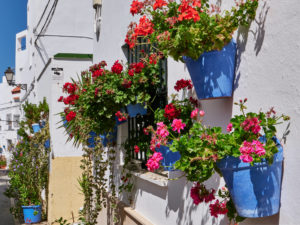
[{"x": 267, "y": 67}]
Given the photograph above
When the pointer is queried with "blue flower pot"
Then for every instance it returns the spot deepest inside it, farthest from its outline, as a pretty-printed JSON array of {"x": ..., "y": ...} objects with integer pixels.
[
  {"x": 213, "y": 73},
  {"x": 111, "y": 137},
  {"x": 36, "y": 127},
  {"x": 169, "y": 157},
  {"x": 255, "y": 190},
  {"x": 47, "y": 144},
  {"x": 32, "y": 214},
  {"x": 137, "y": 109}
]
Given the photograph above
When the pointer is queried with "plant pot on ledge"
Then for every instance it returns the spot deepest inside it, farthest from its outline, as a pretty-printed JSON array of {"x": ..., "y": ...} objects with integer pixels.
[
  {"x": 255, "y": 190},
  {"x": 32, "y": 214},
  {"x": 169, "y": 157},
  {"x": 213, "y": 73}
]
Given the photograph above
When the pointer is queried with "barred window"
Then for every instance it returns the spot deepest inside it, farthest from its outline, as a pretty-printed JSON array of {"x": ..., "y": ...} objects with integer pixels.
[{"x": 136, "y": 124}]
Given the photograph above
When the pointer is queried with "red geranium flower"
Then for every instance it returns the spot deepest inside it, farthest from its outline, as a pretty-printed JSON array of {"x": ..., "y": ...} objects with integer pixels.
[
  {"x": 180, "y": 84},
  {"x": 61, "y": 98},
  {"x": 117, "y": 67},
  {"x": 136, "y": 7},
  {"x": 159, "y": 4},
  {"x": 71, "y": 115},
  {"x": 171, "y": 112}
]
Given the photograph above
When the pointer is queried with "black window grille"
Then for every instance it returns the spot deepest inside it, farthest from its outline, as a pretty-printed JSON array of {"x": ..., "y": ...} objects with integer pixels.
[{"x": 160, "y": 96}]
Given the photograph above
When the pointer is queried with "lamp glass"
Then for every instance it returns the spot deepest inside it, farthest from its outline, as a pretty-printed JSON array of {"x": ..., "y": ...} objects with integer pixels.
[{"x": 9, "y": 74}]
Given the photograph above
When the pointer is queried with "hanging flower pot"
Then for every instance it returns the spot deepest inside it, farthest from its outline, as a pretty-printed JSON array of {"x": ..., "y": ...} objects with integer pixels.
[
  {"x": 32, "y": 214},
  {"x": 169, "y": 157},
  {"x": 36, "y": 127},
  {"x": 255, "y": 190},
  {"x": 213, "y": 73},
  {"x": 106, "y": 138},
  {"x": 137, "y": 109}
]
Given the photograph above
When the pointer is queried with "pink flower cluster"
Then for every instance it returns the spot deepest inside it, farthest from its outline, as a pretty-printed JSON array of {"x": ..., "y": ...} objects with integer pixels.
[
  {"x": 251, "y": 124},
  {"x": 153, "y": 161},
  {"x": 249, "y": 148},
  {"x": 159, "y": 136},
  {"x": 178, "y": 125},
  {"x": 194, "y": 113},
  {"x": 199, "y": 194}
]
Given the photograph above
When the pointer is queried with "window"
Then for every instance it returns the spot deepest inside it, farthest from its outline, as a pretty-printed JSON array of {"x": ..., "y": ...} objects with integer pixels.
[
  {"x": 16, "y": 121},
  {"x": 136, "y": 125},
  {"x": 9, "y": 121}
]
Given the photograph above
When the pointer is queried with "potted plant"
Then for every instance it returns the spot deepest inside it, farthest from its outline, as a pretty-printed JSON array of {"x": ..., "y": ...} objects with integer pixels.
[
  {"x": 2, "y": 162},
  {"x": 249, "y": 157},
  {"x": 196, "y": 33},
  {"x": 96, "y": 101},
  {"x": 174, "y": 120}
]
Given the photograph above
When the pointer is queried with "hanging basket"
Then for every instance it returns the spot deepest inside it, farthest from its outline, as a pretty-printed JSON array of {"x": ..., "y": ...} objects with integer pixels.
[
  {"x": 169, "y": 157},
  {"x": 32, "y": 214},
  {"x": 137, "y": 109},
  {"x": 213, "y": 73},
  {"x": 106, "y": 138},
  {"x": 255, "y": 190}
]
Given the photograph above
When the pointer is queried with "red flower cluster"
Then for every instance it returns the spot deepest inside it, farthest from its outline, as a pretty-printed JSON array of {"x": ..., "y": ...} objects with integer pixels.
[
  {"x": 61, "y": 98},
  {"x": 188, "y": 10},
  {"x": 121, "y": 116},
  {"x": 218, "y": 208},
  {"x": 137, "y": 67},
  {"x": 136, "y": 7},
  {"x": 117, "y": 67},
  {"x": 97, "y": 70},
  {"x": 70, "y": 116},
  {"x": 199, "y": 194},
  {"x": 70, "y": 88},
  {"x": 153, "y": 58},
  {"x": 180, "y": 84},
  {"x": 171, "y": 112},
  {"x": 70, "y": 100},
  {"x": 144, "y": 28},
  {"x": 159, "y": 4},
  {"x": 136, "y": 149},
  {"x": 251, "y": 124},
  {"x": 126, "y": 83}
]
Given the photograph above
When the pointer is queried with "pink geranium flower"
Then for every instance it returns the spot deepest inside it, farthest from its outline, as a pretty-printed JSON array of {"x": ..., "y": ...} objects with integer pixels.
[
  {"x": 153, "y": 161},
  {"x": 246, "y": 158},
  {"x": 202, "y": 113},
  {"x": 194, "y": 113},
  {"x": 178, "y": 125},
  {"x": 229, "y": 127}
]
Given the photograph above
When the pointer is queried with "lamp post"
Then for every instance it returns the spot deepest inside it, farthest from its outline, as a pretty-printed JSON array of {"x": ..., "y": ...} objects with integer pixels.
[{"x": 9, "y": 74}]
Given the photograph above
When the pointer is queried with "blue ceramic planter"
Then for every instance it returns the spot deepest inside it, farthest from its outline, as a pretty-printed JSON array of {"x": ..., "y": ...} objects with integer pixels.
[
  {"x": 137, "y": 109},
  {"x": 32, "y": 214},
  {"x": 47, "y": 144},
  {"x": 255, "y": 190},
  {"x": 111, "y": 137},
  {"x": 169, "y": 157},
  {"x": 36, "y": 127},
  {"x": 213, "y": 73}
]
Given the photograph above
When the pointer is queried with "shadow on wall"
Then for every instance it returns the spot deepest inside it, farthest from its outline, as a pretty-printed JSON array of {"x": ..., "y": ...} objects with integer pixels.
[
  {"x": 242, "y": 38},
  {"x": 184, "y": 206}
]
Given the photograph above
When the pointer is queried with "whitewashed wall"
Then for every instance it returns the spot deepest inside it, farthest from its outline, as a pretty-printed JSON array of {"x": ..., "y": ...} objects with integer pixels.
[{"x": 267, "y": 74}]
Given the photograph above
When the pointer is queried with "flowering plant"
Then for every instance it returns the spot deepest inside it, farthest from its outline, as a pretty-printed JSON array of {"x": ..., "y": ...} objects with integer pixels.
[
  {"x": 28, "y": 170},
  {"x": 98, "y": 97},
  {"x": 250, "y": 138},
  {"x": 174, "y": 120},
  {"x": 188, "y": 27},
  {"x": 2, "y": 162}
]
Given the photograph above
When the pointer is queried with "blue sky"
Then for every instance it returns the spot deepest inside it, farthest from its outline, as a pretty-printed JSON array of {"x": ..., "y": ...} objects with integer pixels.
[{"x": 13, "y": 19}]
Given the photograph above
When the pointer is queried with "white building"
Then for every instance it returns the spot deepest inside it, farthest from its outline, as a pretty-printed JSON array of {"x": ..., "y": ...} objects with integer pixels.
[
  {"x": 60, "y": 39},
  {"x": 267, "y": 74}
]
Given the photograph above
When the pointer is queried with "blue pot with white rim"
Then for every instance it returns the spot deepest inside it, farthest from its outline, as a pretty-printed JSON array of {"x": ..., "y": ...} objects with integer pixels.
[
  {"x": 32, "y": 214},
  {"x": 136, "y": 109},
  {"x": 255, "y": 190},
  {"x": 169, "y": 157},
  {"x": 213, "y": 73},
  {"x": 36, "y": 127}
]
